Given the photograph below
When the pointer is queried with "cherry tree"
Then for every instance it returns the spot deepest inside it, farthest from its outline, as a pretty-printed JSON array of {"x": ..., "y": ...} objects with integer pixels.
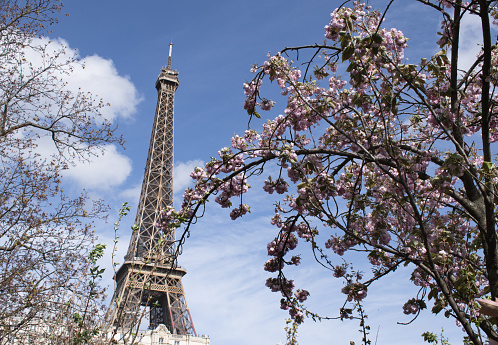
[
  {"x": 393, "y": 159},
  {"x": 46, "y": 234}
]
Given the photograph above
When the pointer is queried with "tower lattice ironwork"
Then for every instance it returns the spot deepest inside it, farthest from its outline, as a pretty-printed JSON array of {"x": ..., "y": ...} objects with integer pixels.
[{"x": 150, "y": 277}]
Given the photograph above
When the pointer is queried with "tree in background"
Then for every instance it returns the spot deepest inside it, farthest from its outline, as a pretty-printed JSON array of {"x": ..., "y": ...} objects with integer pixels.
[
  {"x": 45, "y": 234},
  {"x": 395, "y": 161}
]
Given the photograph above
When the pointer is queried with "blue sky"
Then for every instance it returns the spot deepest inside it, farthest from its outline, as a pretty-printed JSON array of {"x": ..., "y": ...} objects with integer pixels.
[{"x": 124, "y": 45}]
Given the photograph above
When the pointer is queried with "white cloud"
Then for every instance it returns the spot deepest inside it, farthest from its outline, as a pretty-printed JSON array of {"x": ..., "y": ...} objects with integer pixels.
[
  {"x": 100, "y": 77},
  {"x": 108, "y": 168},
  {"x": 181, "y": 174},
  {"x": 470, "y": 41},
  {"x": 103, "y": 172},
  {"x": 91, "y": 74}
]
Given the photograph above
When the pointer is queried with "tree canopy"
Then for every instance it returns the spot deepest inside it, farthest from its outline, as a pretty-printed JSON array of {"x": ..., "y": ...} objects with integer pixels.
[
  {"x": 386, "y": 157},
  {"x": 46, "y": 234}
]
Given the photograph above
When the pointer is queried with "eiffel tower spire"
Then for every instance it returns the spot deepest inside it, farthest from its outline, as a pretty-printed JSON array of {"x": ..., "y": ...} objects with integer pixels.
[
  {"x": 150, "y": 278},
  {"x": 169, "y": 55}
]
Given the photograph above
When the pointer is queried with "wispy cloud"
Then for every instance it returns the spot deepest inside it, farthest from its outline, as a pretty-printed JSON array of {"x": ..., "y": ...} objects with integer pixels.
[
  {"x": 131, "y": 194},
  {"x": 226, "y": 259},
  {"x": 225, "y": 288}
]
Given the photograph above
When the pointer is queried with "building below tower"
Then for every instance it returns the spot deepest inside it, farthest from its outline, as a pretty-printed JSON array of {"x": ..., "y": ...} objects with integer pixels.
[
  {"x": 50, "y": 332},
  {"x": 161, "y": 336}
]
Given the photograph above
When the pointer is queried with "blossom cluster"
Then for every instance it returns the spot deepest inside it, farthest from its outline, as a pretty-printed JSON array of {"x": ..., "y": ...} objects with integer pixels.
[
  {"x": 372, "y": 166},
  {"x": 355, "y": 291}
]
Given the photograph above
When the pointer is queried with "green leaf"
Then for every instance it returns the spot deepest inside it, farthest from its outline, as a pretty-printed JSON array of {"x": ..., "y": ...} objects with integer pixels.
[
  {"x": 432, "y": 294},
  {"x": 377, "y": 38},
  {"x": 437, "y": 308},
  {"x": 487, "y": 167},
  {"x": 347, "y": 53},
  {"x": 422, "y": 304},
  {"x": 430, "y": 337}
]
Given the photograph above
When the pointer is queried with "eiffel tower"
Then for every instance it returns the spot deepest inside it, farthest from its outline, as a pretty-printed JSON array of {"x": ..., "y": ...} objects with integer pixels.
[{"x": 150, "y": 278}]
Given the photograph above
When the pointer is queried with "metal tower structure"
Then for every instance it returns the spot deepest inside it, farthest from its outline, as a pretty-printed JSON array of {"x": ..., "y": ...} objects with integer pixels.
[{"x": 150, "y": 277}]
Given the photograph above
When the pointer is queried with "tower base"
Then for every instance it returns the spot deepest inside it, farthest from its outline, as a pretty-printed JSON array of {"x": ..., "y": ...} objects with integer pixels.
[{"x": 150, "y": 291}]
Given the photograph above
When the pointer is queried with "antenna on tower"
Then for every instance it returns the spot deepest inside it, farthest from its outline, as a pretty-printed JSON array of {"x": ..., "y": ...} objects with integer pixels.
[{"x": 169, "y": 57}]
